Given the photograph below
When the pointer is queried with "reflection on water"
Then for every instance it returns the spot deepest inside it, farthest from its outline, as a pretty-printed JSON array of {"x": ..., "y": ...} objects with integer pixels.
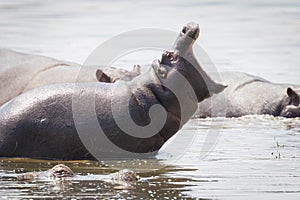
[
  {"x": 88, "y": 182},
  {"x": 253, "y": 156}
]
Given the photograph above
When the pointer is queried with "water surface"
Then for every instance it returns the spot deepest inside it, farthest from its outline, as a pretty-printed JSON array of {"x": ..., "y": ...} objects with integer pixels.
[{"x": 254, "y": 157}]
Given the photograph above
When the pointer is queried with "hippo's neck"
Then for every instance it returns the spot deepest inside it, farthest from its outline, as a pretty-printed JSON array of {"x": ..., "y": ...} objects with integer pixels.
[{"x": 167, "y": 92}]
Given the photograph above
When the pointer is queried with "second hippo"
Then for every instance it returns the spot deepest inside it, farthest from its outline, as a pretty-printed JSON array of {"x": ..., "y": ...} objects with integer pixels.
[
  {"x": 20, "y": 72},
  {"x": 251, "y": 95}
]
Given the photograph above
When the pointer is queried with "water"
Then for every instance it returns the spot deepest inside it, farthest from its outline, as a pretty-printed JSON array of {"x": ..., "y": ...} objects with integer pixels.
[{"x": 254, "y": 157}]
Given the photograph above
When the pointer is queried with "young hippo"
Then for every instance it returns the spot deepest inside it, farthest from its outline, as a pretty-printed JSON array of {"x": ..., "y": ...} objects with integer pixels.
[{"x": 100, "y": 120}]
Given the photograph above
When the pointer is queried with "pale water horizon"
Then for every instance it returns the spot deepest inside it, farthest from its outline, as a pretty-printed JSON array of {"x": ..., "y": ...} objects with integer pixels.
[{"x": 254, "y": 157}]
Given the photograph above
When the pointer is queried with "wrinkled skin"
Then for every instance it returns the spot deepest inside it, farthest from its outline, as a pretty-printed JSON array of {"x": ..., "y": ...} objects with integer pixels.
[
  {"x": 61, "y": 171},
  {"x": 40, "y": 124},
  {"x": 251, "y": 95},
  {"x": 21, "y": 72}
]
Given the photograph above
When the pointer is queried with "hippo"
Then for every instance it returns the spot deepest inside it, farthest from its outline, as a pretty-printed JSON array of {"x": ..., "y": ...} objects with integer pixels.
[
  {"x": 58, "y": 171},
  {"x": 61, "y": 171},
  {"x": 251, "y": 95},
  {"x": 239, "y": 98},
  {"x": 20, "y": 72},
  {"x": 40, "y": 123}
]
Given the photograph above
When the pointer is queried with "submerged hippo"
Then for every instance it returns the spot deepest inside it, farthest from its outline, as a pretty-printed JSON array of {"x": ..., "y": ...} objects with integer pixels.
[
  {"x": 58, "y": 171},
  {"x": 21, "y": 72},
  {"x": 252, "y": 95},
  {"x": 40, "y": 123},
  {"x": 61, "y": 171}
]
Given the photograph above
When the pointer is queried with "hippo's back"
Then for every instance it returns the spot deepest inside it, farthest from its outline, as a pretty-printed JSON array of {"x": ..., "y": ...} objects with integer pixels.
[
  {"x": 218, "y": 104},
  {"x": 20, "y": 72}
]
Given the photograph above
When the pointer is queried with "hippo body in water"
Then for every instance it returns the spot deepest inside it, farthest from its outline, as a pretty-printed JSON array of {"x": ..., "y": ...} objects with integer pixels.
[
  {"x": 63, "y": 172},
  {"x": 246, "y": 95},
  {"x": 40, "y": 123},
  {"x": 251, "y": 95},
  {"x": 21, "y": 72}
]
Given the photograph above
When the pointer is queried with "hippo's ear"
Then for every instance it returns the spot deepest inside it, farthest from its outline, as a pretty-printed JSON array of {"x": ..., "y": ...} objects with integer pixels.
[
  {"x": 137, "y": 69},
  {"x": 294, "y": 96},
  {"x": 102, "y": 77}
]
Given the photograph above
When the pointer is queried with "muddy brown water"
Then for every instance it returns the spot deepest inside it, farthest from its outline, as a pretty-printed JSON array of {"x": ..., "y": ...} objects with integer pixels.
[{"x": 251, "y": 157}]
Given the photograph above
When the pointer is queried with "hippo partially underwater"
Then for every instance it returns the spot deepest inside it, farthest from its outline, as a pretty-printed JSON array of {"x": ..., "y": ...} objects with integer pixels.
[
  {"x": 61, "y": 171},
  {"x": 251, "y": 95},
  {"x": 247, "y": 95},
  {"x": 40, "y": 123},
  {"x": 20, "y": 72}
]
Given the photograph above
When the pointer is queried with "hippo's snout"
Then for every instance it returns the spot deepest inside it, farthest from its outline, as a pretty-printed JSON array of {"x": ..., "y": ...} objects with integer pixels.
[
  {"x": 61, "y": 170},
  {"x": 188, "y": 35},
  {"x": 192, "y": 30}
]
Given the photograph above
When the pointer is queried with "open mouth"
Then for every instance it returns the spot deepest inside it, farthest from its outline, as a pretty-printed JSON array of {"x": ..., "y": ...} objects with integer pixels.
[
  {"x": 170, "y": 55},
  {"x": 167, "y": 58}
]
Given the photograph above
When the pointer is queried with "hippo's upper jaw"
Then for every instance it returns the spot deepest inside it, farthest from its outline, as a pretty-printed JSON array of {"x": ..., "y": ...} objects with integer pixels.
[
  {"x": 202, "y": 84},
  {"x": 192, "y": 30},
  {"x": 187, "y": 37}
]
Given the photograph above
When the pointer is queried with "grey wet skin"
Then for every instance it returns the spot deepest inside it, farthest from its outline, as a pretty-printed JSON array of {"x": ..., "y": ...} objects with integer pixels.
[
  {"x": 248, "y": 95},
  {"x": 251, "y": 95},
  {"x": 20, "y": 72},
  {"x": 58, "y": 171},
  {"x": 39, "y": 123}
]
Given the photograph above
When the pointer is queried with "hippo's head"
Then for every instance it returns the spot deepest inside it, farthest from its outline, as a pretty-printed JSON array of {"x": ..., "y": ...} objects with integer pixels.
[
  {"x": 182, "y": 59},
  {"x": 124, "y": 175},
  {"x": 182, "y": 76},
  {"x": 60, "y": 171},
  {"x": 292, "y": 106}
]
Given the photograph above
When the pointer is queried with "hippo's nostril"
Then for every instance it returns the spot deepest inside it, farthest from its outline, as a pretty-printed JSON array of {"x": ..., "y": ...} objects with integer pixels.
[{"x": 184, "y": 30}]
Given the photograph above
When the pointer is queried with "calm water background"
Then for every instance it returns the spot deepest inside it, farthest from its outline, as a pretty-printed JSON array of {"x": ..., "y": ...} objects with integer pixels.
[{"x": 255, "y": 156}]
